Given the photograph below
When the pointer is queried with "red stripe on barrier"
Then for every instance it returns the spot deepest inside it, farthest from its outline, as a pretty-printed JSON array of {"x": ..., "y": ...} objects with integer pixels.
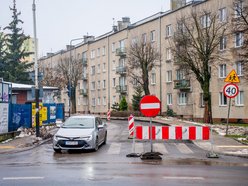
[
  {"x": 139, "y": 132},
  {"x": 165, "y": 132},
  {"x": 205, "y": 133},
  {"x": 179, "y": 132},
  {"x": 131, "y": 126},
  {"x": 192, "y": 133},
  {"x": 153, "y": 132}
]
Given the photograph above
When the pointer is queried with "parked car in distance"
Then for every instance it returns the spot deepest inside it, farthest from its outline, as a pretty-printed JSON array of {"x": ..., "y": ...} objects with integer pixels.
[{"x": 80, "y": 132}]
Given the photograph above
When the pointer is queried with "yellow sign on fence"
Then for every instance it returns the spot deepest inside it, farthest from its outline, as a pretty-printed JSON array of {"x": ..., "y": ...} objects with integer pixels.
[{"x": 42, "y": 113}]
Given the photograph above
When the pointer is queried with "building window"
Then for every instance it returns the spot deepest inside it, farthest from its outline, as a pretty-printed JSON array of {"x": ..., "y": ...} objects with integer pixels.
[
  {"x": 202, "y": 103},
  {"x": 98, "y": 68},
  {"x": 98, "y": 101},
  {"x": 153, "y": 80},
  {"x": 239, "y": 39},
  {"x": 238, "y": 9},
  {"x": 98, "y": 85},
  {"x": 93, "y": 70},
  {"x": 222, "y": 15},
  {"x": 222, "y": 99},
  {"x": 103, "y": 50},
  {"x": 93, "y": 85},
  {"x": 135, "y": 82},
  {"x": 104, "y": 67},
  {"x": 114, "y": 99},
  {"x": 223, "y": 43},
  {"x": 104, "y": 100},
  {"x": 181, "y": 27},
  {"x": 92, "y": 54},
  {"x": 205, "y": 20},
  {"x": 168, "y": 54},
  {"x": 93, "y": 102},
  {"x": 113, "y": 65},
  {"x": 182, "y": 98},
  {"x": 153, "y": 36},
  {"x": 104, "y": 84},
  {"x": 114, "y": 82},
  {"x": 180, "y": 74},
  {"x": 168, "y": 31},
  {"x": 113, "y": 47},
  {"x": 169, "y": 76},
  {"x": 239, "y": 68},
  {"x": 144, "y": 38},
  {"x": 222, "y": 71},
  {"x": 239, "y": 99},
  {"x": 98, "y": 52},
  {"x": 169, "y": 99}
]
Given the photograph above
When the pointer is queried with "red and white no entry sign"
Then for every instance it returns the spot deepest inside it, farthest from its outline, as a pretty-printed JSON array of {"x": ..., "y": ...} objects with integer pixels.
[
  {"x": 150, "y": 106},
  {"x": 231, "y": 90}
]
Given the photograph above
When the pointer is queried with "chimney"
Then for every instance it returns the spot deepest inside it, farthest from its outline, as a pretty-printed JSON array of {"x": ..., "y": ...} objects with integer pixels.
[
  {"x": 175, "y": 4},
  {"x": 124, "y": 23},
  {"x": 115, "y": 28},
  {"x": 88, "y": 39}
]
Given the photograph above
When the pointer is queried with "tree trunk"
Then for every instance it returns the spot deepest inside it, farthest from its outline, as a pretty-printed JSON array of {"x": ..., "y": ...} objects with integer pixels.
[{"x": 207, "y": 118}]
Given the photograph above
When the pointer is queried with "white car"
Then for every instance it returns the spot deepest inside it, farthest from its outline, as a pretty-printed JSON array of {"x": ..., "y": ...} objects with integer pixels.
[{"x": 80, "y": 132}]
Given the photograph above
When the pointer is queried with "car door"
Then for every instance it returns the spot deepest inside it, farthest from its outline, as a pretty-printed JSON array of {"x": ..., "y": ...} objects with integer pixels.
[{"x": 100, "y": 130}]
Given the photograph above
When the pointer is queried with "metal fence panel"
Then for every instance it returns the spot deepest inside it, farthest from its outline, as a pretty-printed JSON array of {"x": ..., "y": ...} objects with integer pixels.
[{"x": 60, "y": 111}]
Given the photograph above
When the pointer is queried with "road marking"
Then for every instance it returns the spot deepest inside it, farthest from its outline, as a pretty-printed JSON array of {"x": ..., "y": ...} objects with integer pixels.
[
  {"x": 183, "y": 178},
  {"x": 7, "y": 147},
  {"x": 183, "y": 148},
  {"x": 159, "y": 147},
  {"x": 228, "y": 146},
  {"x": 139, "y": 147},
  {"x": 114, "y": 148},
  {"x": 23, "y": 178}
]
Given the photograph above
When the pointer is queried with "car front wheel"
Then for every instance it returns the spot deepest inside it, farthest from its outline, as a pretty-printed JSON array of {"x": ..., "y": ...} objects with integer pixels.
[
  {"x": 96, "y": 144},
  {"x": 57, "y": 150}
]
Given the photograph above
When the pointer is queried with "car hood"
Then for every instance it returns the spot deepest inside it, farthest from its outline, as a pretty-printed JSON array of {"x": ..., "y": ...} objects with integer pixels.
[{"x": 74, "y": 132}]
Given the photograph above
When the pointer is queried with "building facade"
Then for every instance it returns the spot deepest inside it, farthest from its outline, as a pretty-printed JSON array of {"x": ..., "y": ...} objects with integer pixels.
[{"x": 105, "y": 74}]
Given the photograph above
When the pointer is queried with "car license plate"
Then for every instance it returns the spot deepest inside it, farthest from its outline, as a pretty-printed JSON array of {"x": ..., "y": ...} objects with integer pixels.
[{"x": 71, "y": 143}]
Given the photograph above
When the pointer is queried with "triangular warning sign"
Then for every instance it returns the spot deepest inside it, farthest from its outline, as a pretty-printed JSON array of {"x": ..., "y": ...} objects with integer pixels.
[{"x": 232, "y": 77}]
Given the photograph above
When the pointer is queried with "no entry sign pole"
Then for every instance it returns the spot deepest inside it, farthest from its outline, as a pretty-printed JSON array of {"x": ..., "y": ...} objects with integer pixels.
[{"x": 150, "y": 107}]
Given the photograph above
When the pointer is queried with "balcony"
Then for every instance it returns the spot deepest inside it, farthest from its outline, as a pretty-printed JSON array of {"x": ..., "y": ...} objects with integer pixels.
[
  {"x": 122, "y": 89},
  {"x": 84, "y": 61},
  {"x": 83, "y": 92},
  {"x": 182, "y": 84},
  {"x": 85, "y": 77},
  {"x": 121, "y": 52},
  {"x": 121, "y": 70}
]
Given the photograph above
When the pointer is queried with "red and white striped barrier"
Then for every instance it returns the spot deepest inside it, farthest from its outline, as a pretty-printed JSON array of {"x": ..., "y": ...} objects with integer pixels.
[
  {"x": 131, "y": 126},
  {"x": 108, "y": 115},
  {"x": 173, "y": 132}
]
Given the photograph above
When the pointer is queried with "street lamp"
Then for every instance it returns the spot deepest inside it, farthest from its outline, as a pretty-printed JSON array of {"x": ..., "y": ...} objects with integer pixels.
[
  {"x": 69, "y": 80},
  {"x": 37, "y": 119}
]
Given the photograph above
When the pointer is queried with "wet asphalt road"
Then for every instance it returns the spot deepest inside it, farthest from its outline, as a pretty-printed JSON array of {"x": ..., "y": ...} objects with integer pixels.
[{"x": 182, "y": 163}]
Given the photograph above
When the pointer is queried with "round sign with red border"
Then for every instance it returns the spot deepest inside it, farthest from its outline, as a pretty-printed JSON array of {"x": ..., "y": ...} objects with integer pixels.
[
  {"x": 150, "y": 106},
  {"x": 231, "y": 90}
]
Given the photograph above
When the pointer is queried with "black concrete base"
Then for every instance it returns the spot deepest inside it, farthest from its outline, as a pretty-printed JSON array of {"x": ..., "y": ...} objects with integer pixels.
[
  {"x": 212, "y": 155},
  {"x": 151, "y": 156},
  {"x": 133, "y": 155}
]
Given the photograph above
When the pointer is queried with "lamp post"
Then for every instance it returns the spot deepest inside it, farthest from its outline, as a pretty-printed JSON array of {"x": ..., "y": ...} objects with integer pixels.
[
  {"x": 69, "y": 80},
  {"x": 37, "y": 119}
]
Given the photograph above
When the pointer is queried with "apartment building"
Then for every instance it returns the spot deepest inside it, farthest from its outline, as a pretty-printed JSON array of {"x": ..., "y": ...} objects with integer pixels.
[{"x": 105, "y": 74}]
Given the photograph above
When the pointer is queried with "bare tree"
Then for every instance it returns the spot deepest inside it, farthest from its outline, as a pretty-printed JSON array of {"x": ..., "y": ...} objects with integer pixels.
[
  {"x": 240, "y": 25},
  {"x": 70, "y": 77},
  {"x": 194, "y": 47},
  {"x": 142, "y": 58}
]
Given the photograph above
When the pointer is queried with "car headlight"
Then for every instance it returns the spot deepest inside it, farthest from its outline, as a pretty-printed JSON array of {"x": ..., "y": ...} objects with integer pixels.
[
  {"x": 87, "y": 138},
  {"x": 57, "y": 137}
]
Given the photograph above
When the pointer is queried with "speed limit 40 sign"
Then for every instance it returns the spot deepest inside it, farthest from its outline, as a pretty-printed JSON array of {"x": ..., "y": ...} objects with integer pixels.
[{"x": 231, "y": 90}]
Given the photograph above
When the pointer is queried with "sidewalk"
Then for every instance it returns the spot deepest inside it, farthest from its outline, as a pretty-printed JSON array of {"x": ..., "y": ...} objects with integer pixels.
[
  {"x": 221, "y": 145},
  {"x": 23, "y": 143}
]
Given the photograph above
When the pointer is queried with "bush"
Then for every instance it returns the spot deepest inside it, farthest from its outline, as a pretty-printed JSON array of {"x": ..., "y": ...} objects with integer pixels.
[
  {"x": 123, "y": 104},
  {"x": 170, "y": 112}
]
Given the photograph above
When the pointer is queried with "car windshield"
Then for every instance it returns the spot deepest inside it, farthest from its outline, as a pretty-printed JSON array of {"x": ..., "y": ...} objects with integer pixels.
[{"x": 79, "y": 123}]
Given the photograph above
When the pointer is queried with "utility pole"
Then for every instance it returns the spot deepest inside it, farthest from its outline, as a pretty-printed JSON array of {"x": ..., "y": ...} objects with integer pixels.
[{"x": 37, "y": 115}]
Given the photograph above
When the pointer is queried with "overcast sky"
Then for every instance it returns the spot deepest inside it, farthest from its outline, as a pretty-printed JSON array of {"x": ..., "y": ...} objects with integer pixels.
[{"x": 59, "y": 21}]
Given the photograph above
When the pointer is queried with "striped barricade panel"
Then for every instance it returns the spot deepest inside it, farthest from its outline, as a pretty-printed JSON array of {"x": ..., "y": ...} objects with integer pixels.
[{"x": 173, "y": 132}]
